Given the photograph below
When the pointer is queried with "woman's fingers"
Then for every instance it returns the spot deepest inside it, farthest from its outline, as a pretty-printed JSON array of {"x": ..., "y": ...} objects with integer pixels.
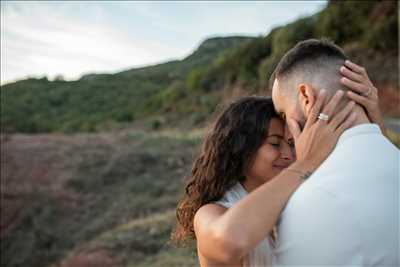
[
  {"x": 362, "y": 100},
  {"x": 294, "y": 128},
  {"x": 316, "y": 109},
  {"x": 351, "y": 74},
  {"x": 341, "y": 116},
  {"x": 355, "y": 86},
  {"x": 333, "y": 103},
  {"x": 356, "y": 68},
  {"x": 346, "y": 124}
]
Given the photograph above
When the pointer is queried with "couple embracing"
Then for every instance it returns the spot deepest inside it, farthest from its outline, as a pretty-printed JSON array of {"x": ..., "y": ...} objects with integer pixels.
[{"x": 305, "y": 178}]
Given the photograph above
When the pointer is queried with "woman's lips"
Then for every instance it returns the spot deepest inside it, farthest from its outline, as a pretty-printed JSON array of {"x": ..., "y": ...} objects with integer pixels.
[{"x": 280, "y": 167}]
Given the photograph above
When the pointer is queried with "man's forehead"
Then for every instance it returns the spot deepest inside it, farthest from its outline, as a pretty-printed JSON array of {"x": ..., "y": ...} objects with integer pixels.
[{"x": 276, "y": 96}]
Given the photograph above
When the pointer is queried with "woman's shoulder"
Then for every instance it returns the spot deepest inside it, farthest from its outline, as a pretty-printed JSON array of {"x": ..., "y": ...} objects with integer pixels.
[
  {"x": 206, "y": 213},
  {"x": 211, "y": 207},
  {"x": 212, "y": 210}
]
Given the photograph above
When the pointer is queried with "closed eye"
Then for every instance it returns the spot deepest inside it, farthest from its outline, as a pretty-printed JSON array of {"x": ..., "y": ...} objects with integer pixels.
[
  {"x": 274, "y": 140},
  {"x": 275, "y": 145}
]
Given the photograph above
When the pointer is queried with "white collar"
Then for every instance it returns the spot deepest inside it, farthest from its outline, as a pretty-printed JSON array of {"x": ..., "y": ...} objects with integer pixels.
[
  {"x": 242, "y": 189},
  {"x": 365, "y": 128}
]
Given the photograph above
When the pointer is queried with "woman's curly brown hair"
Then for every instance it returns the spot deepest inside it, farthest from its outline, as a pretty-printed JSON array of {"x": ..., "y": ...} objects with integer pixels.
[{"x": 227, "y": 150}]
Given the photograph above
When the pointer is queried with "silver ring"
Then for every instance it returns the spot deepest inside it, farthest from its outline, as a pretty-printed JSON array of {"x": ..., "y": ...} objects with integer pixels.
[
  {"x": 369, "y": 92},
  {"x": 323, "y": 117}
]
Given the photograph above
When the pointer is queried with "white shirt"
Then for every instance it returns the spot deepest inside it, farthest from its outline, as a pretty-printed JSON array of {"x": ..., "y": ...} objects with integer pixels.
[
  {"x": 261, "y": 255},
  {"x": 347, "y": 212}
]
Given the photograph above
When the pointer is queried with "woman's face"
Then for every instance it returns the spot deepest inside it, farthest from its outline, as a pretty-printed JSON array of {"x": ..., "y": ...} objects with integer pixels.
[{"x": 275, "y": 154}]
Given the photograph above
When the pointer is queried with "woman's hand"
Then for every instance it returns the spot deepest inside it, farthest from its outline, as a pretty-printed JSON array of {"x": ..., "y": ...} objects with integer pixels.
[
  {"x": 363, "y": 91},
  {"x": 319, "y": 137}
]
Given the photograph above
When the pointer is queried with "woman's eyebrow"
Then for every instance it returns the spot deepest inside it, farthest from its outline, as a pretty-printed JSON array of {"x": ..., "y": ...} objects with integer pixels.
[{"x": 276, "y": 135}]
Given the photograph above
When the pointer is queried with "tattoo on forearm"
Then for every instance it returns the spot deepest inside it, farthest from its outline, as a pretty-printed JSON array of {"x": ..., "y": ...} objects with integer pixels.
[
  {"x": 303, "y": 175},
  {"x": 306, "y": 175}
]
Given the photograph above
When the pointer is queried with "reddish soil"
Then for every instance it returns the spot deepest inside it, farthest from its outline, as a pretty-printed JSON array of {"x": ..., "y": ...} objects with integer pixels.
[{"x": 95, "y": 258}]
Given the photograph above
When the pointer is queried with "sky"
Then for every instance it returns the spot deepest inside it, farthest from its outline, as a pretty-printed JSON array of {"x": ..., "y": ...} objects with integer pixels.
[{"x": 80, "y": 37}]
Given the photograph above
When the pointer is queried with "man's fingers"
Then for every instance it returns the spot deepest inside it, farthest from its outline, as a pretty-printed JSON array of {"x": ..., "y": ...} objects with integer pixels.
[
  {"x": 294, "y": 128},
  {"x": 316, "y": 109},
  {"x": 342, "y": 115},
  {"x": 351, "y": 74}
]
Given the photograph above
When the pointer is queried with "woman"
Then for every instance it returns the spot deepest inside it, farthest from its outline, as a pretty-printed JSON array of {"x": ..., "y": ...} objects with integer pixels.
[{"x": 233, "y": 200}]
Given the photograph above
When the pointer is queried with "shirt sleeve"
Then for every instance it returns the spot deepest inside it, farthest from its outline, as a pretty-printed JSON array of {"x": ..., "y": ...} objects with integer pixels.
[{"x": 318, "y": 228}]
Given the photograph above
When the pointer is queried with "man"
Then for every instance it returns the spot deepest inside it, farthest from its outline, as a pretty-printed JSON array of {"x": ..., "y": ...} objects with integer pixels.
[{"x": 347, "y": 212}]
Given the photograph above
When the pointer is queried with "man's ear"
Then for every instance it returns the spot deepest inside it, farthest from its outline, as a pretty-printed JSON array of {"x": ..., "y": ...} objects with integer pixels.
[{"x": 307, "y": 97}]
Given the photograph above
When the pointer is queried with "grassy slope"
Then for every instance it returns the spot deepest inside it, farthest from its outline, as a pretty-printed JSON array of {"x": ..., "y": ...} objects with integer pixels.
[{"x": 91, "y": 187}]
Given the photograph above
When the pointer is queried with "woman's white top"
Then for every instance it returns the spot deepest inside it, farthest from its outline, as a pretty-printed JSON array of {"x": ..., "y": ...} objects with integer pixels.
[{"x": 261, "y": 255}]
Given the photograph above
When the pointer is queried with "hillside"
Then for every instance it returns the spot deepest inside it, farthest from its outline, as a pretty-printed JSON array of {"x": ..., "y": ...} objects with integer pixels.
[
  {"x": 65, "y": 198},
  {"x": 98, "y": 101},
  {"x": 184, "y": 93}
]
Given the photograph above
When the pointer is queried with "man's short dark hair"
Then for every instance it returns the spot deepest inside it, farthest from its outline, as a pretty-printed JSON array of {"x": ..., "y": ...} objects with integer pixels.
[{"x": 314, "y": 61}]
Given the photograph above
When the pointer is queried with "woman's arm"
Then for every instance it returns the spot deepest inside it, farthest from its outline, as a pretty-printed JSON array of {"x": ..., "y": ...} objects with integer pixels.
[
  {"x": 225, "y": 236},
  {"x": 365, "y": 93},
  {"x": 229, "y": 235}
]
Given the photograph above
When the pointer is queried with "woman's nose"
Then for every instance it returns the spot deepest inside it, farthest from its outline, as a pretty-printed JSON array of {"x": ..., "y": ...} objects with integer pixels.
[{"x": 287, "y": 152}]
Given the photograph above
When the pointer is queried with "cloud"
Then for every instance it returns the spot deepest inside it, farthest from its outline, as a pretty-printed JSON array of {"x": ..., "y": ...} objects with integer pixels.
[
  {"x": 39, "y": 40},
  {"x": 72, "y": 38}
]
